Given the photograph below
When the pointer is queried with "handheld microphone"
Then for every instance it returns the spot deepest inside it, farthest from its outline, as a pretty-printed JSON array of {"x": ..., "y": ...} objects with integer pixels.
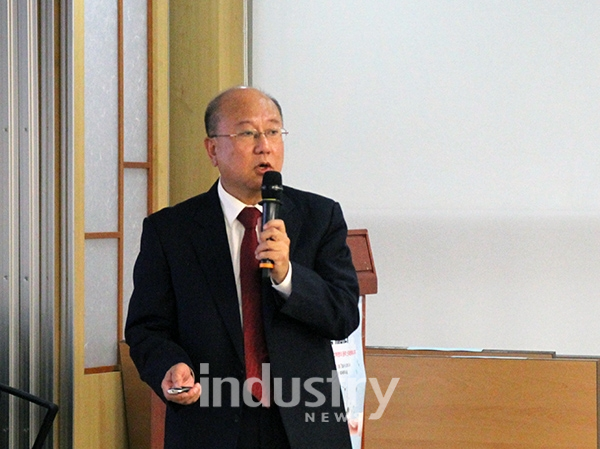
[{"x": 271, "y": 191}]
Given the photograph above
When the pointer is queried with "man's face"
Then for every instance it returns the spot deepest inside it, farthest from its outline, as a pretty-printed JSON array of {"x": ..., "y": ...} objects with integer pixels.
[{"x": 243, "y": 162}]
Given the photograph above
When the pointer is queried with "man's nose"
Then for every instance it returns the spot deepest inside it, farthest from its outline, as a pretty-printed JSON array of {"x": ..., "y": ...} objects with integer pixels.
[{"x": 261, "y": 143}]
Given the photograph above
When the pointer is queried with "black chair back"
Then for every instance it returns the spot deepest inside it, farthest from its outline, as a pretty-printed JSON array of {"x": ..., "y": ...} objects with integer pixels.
[{"x": 52, "y": 410}]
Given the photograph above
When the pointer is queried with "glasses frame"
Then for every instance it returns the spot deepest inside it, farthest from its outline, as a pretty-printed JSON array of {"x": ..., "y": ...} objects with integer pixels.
[{"x": 255, "y": 134}]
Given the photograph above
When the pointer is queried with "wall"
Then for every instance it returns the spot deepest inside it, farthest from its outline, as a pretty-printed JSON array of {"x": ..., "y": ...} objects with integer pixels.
[
  {"x": 206, "y": 56},
  {"x": 464, "y": 136}
]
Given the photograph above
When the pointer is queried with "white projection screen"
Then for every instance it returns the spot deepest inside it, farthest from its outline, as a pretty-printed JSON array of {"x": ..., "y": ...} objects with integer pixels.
[{"x": 465, "y": 136}]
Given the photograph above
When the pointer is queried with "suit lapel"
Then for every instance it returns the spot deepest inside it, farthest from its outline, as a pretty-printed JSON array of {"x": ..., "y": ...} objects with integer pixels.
[{"x": 212, "y": 248}]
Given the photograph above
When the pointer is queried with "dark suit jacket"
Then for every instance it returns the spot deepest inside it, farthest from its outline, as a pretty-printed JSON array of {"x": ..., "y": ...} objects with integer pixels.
[{"x": 184, "y": 308}]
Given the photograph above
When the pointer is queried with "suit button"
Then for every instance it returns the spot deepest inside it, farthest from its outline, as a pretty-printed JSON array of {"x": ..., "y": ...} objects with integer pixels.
[{"x": 236, "y": 418}]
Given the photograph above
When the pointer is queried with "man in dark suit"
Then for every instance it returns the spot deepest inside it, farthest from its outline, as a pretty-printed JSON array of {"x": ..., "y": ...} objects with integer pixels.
[{"x": 186, "y": 315}]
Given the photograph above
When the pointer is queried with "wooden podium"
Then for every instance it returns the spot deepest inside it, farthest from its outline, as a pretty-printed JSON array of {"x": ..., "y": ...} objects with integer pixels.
[
  {"x": 492, "y": 399},
  {"x": 145, "y": 411},
  {"x": 362, "y": 258}
]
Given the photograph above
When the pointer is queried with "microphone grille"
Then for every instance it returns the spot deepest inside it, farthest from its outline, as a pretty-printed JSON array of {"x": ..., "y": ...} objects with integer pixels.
[{"x": 271, "y": 185}]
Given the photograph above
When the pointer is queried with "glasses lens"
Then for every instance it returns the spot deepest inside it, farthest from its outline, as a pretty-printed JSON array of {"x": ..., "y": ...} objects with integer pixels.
[
  {"x": 250, "y": 137},
  {"x": 246, "y": 137}
]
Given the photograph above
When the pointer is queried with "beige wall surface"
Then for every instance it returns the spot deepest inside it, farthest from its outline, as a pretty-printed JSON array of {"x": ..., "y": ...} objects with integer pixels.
[{"x": 206, "y": 56}]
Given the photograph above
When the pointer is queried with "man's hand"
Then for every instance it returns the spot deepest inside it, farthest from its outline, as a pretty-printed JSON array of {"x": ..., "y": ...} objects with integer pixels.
[
  {"x": 181, "y": 375},
  {"x": 274, "y": 244}
]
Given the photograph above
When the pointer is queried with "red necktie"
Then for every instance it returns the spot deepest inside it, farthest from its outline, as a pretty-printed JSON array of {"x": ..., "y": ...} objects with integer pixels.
[{"x": 255, "y": 346}]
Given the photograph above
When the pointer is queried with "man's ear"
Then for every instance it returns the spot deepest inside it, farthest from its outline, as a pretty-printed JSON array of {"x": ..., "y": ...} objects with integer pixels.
[{"x": 211, "y": 150}]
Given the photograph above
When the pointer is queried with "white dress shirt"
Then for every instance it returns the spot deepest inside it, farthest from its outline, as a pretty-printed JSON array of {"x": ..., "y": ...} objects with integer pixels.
[{"x": 235, "y": 232}]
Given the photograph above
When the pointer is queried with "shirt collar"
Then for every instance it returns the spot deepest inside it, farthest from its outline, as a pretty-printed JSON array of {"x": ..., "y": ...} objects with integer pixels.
[{"x": 231, "y": 205}]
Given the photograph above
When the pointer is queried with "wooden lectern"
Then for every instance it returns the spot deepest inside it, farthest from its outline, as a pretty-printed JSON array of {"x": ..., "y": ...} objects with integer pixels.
[
  {"x": 489, "y": 399},
  {"x": 145, "y": 411},
  {"x": 362, "y": 258}
]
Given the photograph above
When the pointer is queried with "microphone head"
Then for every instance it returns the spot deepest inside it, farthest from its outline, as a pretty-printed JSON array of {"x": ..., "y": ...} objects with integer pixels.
[{"x": 271, "y": 186}]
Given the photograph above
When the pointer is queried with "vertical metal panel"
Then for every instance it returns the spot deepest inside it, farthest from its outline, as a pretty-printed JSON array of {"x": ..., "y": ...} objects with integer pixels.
[
  {"x": 20, "y": 229},
  {"x": 5, "y": 183},
  {"x": 48, "y": 204},
  {"x": 29, "y": 188},
  {"x": 23, "y": 308},
  {"x": 11, "y": 223},
  {"x": 9, "y": 289},
  {"x": 67, "y": 224}
]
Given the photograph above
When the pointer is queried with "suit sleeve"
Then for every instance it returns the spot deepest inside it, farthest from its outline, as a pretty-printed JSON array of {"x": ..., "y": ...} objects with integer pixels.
[
  {"x": 151, "y": 319},
  {"x": 325, "y": 290}
]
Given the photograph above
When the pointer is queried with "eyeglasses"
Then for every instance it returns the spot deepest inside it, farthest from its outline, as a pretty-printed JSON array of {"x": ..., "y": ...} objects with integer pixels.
[{"x": 248, "y": 137}]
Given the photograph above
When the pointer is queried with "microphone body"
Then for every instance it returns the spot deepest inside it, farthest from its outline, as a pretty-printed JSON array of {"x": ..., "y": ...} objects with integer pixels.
[
  {"x": 271, "y": 191},
  {"x": 270, "y": 210}
]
